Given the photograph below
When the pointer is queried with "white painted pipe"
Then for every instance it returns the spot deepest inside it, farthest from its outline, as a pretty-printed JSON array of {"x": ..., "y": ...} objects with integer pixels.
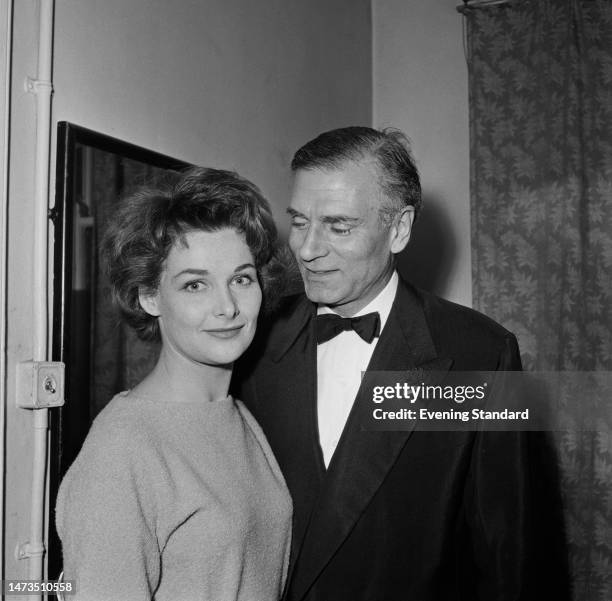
[
  {"x": 3, "y": 236},
  {"x": 36, "y": 544},
  {"x": 43, "y": 89}
]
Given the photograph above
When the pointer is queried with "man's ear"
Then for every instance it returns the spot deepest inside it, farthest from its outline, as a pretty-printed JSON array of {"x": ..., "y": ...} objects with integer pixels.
[
  {"x": 401, "y": 229},
  {"x": 149, "y": 301}
]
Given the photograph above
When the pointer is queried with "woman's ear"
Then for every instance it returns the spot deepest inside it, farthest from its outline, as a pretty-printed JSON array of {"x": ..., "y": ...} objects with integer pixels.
[{"x": 149, "y": 301}]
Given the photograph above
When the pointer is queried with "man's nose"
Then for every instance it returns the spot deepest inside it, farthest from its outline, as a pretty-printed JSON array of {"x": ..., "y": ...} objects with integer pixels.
[
  {"x": 313, "y": 244},
  {"x": 225, "y": 303}
]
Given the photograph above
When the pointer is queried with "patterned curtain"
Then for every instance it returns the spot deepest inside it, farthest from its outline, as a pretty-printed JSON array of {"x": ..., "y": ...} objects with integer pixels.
[{"x": 540, "y": 74}]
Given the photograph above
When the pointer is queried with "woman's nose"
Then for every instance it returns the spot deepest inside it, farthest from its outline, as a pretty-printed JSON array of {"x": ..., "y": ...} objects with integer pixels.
[{"x": 226, "y": 305}]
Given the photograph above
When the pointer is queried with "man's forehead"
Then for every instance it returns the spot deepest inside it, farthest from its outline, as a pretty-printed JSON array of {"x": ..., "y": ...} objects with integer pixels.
[
  {"x": 346, "y": 174},
  {"x": 328, "y": 203},
  {"x": 351, "y": 187}
]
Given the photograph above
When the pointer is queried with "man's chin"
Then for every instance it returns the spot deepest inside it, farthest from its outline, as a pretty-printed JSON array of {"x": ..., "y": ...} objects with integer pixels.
[{"x": 319, "y": 295}]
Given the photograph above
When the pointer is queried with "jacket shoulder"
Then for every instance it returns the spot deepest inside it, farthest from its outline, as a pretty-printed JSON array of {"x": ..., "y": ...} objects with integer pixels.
[
  {"x": 470, "y": 336},
  {"x": 446, "y": 314}
]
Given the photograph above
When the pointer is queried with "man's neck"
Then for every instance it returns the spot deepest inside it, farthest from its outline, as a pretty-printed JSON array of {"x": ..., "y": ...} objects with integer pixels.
[{"x": 367, "y": 305}]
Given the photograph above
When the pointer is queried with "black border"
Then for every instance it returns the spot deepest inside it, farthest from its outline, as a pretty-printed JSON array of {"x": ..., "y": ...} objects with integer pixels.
[{"x": 68, "y": 136}]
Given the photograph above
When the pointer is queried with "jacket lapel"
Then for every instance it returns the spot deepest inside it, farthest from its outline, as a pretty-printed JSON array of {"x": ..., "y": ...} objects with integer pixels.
[
  {"x": 293, "y": 353},
  {"x": 289, "y": 329},
  {"x": 363, "y": 457}
]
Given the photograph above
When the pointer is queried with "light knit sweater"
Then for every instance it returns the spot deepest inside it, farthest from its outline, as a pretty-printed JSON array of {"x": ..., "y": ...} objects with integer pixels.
[{"x": 174, "y": 502}]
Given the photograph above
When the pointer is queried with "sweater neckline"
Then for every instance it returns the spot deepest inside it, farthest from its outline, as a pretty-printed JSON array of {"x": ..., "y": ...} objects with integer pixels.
[{"x": 228, "y": 400}]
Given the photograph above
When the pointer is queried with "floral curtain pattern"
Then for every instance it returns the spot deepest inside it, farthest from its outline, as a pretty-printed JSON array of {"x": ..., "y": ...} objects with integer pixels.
[{"x": 540, "y": 75}]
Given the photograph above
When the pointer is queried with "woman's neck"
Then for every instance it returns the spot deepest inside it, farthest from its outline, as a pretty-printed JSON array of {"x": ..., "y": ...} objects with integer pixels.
[{"x": 177, "y": 378}]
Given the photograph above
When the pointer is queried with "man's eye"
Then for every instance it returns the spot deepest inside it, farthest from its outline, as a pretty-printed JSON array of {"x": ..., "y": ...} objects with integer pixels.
[
  {"x": 243, "y": 280},
  {"x": 298, "y": 224},
  {"x": 341, "y": 231},
  {"x": 194, "y": 286}
]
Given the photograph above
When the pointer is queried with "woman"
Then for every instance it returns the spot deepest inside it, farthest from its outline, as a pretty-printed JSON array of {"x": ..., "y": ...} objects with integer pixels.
[{"x": 175, "y": 494}]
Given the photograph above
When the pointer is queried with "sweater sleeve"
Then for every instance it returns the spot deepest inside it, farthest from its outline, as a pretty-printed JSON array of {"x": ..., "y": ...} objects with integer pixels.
[{"x": 106, "y": 520}]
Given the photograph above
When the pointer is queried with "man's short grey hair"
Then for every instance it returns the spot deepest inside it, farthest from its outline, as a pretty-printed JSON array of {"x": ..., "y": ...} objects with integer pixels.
[{"x": 398, "y": 176}]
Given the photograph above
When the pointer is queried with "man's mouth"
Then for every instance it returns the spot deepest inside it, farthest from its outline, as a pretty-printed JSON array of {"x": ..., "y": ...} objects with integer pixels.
[{"x": 319, "y": 272}]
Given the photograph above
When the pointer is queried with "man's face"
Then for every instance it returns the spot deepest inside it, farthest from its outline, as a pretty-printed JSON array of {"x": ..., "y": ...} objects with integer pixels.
[{"x": 344, "y": 251}]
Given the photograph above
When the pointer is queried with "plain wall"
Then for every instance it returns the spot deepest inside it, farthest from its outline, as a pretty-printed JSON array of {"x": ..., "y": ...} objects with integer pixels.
[
  {"x": 421, "y": 87},
  {"x": 225, "y": 83}
]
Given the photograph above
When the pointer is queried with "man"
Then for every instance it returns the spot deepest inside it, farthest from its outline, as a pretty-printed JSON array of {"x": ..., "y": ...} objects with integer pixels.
[{"x": 394, "y": 515}]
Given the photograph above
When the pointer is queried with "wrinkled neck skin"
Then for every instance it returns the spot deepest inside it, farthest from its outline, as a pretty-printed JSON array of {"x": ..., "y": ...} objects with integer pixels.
[
  {"x": 353, "y": 307},
  {"x": 178, "y": 378}
]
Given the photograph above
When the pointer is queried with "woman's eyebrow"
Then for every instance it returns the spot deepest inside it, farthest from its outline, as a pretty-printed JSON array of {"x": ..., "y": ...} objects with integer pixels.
[
  {"x": 191, "y": 271},
  {"x": 204, "y": 272},
  {"x": 244, "y": 266}
]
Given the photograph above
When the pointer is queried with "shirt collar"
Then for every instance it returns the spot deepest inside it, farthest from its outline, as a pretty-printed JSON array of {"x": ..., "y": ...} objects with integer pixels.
[{"x": 382, "y": 303}]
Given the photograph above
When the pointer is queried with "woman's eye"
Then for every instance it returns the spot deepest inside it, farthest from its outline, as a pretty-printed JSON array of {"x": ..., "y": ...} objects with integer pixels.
[
  {"x": 194, "y": 286},
  {"x": 243, "y": 280}
]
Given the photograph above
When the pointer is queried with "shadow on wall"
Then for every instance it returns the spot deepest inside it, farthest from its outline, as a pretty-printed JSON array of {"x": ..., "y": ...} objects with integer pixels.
[{"x": 431, "y": 255}]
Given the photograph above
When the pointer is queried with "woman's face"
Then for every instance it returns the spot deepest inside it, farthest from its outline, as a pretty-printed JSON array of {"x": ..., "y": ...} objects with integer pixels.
[{"x": 208, "y": 297}]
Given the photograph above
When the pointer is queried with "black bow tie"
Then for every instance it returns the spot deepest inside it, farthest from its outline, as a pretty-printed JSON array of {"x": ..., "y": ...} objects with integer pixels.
[{"x": 330, "y": 325}]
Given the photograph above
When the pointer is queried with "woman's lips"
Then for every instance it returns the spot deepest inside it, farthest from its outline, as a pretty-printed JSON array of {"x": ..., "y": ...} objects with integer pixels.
[{"x": 225, "y": 333}]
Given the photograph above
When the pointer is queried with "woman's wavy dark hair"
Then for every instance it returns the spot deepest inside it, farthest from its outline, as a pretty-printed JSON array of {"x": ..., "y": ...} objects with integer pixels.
[{"x": 151, "y": 221}]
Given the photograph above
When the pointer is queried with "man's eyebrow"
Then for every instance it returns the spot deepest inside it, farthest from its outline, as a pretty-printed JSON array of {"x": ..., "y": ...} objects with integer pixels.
[
  {"x": 293, "y": 213},
  {"x": 339, "y": 219},
  {"x": 326, "y": 218}
]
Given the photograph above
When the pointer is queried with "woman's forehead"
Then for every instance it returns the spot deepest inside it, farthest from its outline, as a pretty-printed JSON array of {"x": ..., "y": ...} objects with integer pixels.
[{"x": 217, "y": 250}]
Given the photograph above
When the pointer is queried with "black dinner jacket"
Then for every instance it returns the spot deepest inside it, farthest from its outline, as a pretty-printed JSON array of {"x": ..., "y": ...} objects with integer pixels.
[{"x": 408, "y": 515}]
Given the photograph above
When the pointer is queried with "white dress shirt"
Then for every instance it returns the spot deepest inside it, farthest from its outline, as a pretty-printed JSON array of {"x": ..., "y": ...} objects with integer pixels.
[{"x": 340, "y": 363}]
